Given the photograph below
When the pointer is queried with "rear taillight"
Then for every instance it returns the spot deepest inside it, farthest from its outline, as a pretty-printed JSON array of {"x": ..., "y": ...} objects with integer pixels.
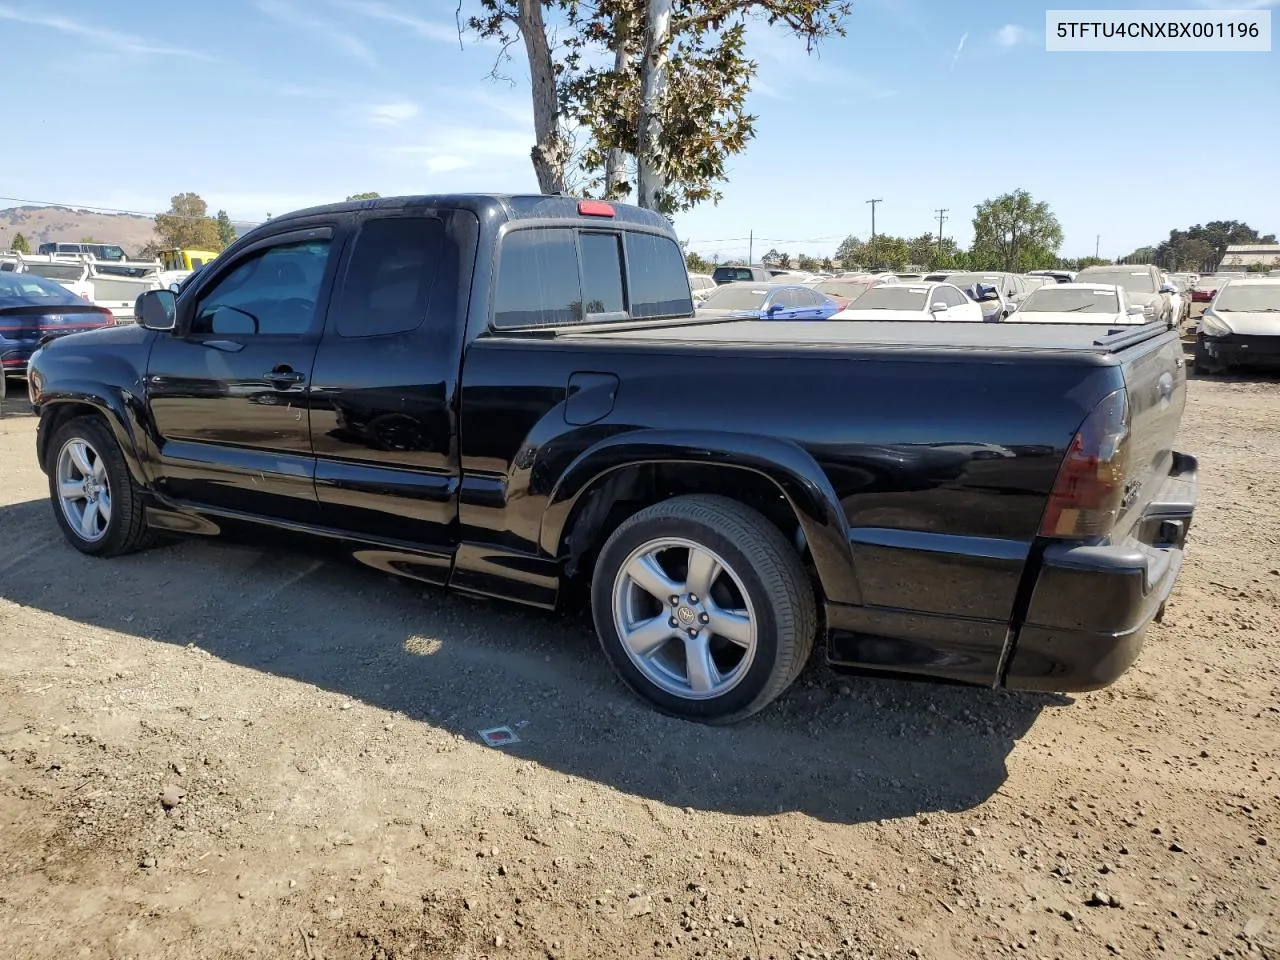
[{"x": 1089, "y": 490}]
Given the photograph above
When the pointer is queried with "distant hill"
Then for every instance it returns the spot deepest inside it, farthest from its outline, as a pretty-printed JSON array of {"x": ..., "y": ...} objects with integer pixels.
[{"x": 45, "y": 224}]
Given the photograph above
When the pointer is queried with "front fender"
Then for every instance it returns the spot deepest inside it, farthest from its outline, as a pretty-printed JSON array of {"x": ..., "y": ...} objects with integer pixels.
[
  {"x": 797, "y": 476},
  {"x": 119, "y": 407}
]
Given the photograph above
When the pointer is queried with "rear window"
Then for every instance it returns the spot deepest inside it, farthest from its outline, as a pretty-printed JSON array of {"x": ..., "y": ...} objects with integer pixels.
[
  {"x": 388, "y": 281},
  {"x": 1133, "y": 281},
  {"x": 730, "y": 274},
  {"x": 538, "y": 281},
  {"x": 540, "y": 284},
  {"x": 601, "y": 273},
  {"x": 892, "y": 297},
  {"x": 1070, "y": 298},
  {"x": 659, "y": 284}
]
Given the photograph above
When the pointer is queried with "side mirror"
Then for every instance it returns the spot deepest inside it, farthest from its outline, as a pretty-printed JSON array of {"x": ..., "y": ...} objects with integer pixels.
[
  {"x": 937, "y": 307},
  {"x": 1135, "y": 310},
  {"x": 773, "y": 308},
  {"x": 174, "y": 288},
  {"x": 1168, "y": 288},
  {"x": 157, "y": 310}
]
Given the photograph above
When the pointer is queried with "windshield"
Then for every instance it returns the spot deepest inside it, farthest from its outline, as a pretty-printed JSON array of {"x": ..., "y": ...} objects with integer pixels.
[
  {"x": 844, "y": 288},
  {"x": 23, "y": 286},
  {"x": 57, "y": 271},
  {"x": 892, "y": 297},
  {"x": 1249, "y": 298},
  {"x": 963, "y": 280},
  {"x": 746, "y": 296},
  {"x": 1134, "y": 281},
  {"x": 1062, "y": 298}
]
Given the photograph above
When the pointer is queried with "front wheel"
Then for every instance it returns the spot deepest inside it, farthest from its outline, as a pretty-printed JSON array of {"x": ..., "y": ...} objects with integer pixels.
[
  {"x": 704, "y": 608},
  {"x": 95, "y": 500}
]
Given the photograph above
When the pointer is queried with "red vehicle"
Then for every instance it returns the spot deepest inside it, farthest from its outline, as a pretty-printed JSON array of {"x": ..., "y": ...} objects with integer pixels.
[
  {"x": 844, "y": 290},
  {"x": 1206, "y": 288}
]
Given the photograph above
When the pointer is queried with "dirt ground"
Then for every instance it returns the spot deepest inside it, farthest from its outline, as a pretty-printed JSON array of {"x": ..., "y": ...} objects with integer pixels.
[{"x": 213, "y": 750}]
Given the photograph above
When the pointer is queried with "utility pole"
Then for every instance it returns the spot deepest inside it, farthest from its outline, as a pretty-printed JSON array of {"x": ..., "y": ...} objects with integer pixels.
[
  {"x": 1097, "y": 245},
  {"x": 942, "y": 216},
  {"x": 873, "y": 215},
  {"x": 751, "y": 243}
]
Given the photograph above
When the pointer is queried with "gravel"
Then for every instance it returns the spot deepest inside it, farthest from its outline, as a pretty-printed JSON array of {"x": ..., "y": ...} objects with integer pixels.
[{"x": 315, "y": 725}]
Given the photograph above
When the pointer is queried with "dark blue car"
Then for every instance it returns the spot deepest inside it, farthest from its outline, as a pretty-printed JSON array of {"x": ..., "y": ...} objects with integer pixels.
[
  {"x": 32, "y": 309},
  {"x": 768, "y": 301}
]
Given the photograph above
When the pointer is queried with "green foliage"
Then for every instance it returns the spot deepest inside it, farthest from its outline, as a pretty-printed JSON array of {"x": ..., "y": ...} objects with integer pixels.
[
  {"x": 703, "y": 120},
  {"x": 364, "y": 196},
  {"x": 20, "y": 244},
  {"x": 827, "y": 265},
  {"x": 1264, "y": 267},
  {"x": 807, "y": 263},
  {"x": 226, "y": 230},
  {"x": 1016, "y": 233},
  {"x": 885, "y": 252},
  {"x": 187, "y": 224},
  {"x": 848, "y": 252},
  {"x": 696, "y": 264},
  {"x": 1141, "y": 255},
  {"x": 784, "y": 261},
  {"x": 772, "y": 259},
  {"x": 1084, "y": 262}
]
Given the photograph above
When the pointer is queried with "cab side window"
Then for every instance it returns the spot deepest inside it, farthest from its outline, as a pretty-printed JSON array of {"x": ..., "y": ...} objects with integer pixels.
[
  {"x": 387, "y": 285},
  {"x": 271, "y": 293}
]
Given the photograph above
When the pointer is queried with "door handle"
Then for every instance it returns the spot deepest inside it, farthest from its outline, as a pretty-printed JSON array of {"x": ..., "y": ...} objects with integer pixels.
[{"x": 283, "y": 378}]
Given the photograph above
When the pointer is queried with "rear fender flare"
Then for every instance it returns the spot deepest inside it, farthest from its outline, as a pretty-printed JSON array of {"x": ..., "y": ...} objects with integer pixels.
[{"x": 794, "y": 472}]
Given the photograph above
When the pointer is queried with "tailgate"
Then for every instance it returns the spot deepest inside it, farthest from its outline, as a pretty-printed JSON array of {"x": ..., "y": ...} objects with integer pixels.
[{"x": 1155, "y": 380}]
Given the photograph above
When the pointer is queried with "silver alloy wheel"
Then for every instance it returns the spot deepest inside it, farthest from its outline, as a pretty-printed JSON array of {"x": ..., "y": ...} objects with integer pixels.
[
  {"x": 84, "y": 490},
  {"x": 692, "y": 633}
]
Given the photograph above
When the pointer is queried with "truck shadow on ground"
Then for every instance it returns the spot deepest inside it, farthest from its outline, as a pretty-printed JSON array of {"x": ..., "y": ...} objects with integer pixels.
[{"x": 841, "y": 749}]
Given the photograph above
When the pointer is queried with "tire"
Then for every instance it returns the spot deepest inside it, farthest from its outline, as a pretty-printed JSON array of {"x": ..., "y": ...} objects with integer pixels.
[
  {"x": 759, "y": 575},
  {"x": 122, "y": 528},
  {"x": 1200, "y": 362}
]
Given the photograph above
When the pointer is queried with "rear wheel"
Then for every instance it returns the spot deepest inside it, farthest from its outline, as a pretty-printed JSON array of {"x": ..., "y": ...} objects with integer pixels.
[
  {"x": 703, "y": 608},
  {"x": 95, "y": 500}
]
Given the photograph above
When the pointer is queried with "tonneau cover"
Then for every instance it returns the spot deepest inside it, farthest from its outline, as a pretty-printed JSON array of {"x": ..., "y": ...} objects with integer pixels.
[{"x": 1090, "y": 337}]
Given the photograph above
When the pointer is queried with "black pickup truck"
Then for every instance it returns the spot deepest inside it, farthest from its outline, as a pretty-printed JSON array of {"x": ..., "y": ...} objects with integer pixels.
[{"x": 509, "y": 396}]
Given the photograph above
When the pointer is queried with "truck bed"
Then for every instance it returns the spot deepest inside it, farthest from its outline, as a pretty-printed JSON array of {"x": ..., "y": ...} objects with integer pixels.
[{"x": 1085, "y": 337}]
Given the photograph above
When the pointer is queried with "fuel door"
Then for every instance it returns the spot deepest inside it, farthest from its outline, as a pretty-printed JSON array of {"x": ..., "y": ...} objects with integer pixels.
[{"x": 590, "y": 397}]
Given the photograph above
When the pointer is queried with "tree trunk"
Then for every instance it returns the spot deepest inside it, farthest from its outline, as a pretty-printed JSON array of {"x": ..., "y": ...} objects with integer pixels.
[
  {"x": 650, "y": 181},
  {"x": 616, "y": 183},
  {"x": 548, "y": 152}
]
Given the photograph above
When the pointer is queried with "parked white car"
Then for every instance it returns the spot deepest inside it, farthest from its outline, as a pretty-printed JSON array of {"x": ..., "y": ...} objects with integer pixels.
[
  {"x": 700, "y": 285},
  {"x": 1241, "y": 326},
  {"x": 913, "y": 301},
  {"x": 1079, "y": 303},
  {"x": 72, "y": 273}
]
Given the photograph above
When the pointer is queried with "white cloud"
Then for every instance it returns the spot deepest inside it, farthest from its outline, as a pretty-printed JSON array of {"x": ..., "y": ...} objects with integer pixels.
[
  {"x": 329, "y": 33},
  {"x": 445, "y": 163},
  {"x": 959, "y": 47},
  {"x": 377, "y": 10},
  {"x": 115, "y": 39},
  {"x": 392, "y": 114},
  {"x": 1010, "y": 35}
]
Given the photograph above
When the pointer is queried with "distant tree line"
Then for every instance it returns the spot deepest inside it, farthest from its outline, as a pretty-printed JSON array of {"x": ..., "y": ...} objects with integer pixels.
[{"x": 1201, "y": 248}]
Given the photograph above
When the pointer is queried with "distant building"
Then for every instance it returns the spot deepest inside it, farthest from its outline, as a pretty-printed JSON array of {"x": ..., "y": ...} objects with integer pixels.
[{"x": 1245, "y": 255}]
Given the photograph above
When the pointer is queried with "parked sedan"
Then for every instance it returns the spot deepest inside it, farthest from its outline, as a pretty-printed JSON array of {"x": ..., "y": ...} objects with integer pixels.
[
  {"x": 843, "y": 290},
  {"x": 768, "y": 301},
  {"x": 1144, "y": 283},
  {"x": 1206, "y": 288},
  {"x": 913, "y": 301},
  {"x": 1241, "y": 326},
  {"x": 1079, "y": 303},
  {"x": 700, "y": 285},
  {"x": 33, "y": 309}
]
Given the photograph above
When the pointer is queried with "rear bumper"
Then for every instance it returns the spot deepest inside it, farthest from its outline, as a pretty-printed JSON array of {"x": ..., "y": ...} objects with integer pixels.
[
  {"x": 1091, "y": 605},
  {"x": 1237, "y": 349}
]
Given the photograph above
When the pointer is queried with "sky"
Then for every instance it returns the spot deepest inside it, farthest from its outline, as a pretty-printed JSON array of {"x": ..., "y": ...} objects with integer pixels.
[{"x": 264, "y": 106}]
